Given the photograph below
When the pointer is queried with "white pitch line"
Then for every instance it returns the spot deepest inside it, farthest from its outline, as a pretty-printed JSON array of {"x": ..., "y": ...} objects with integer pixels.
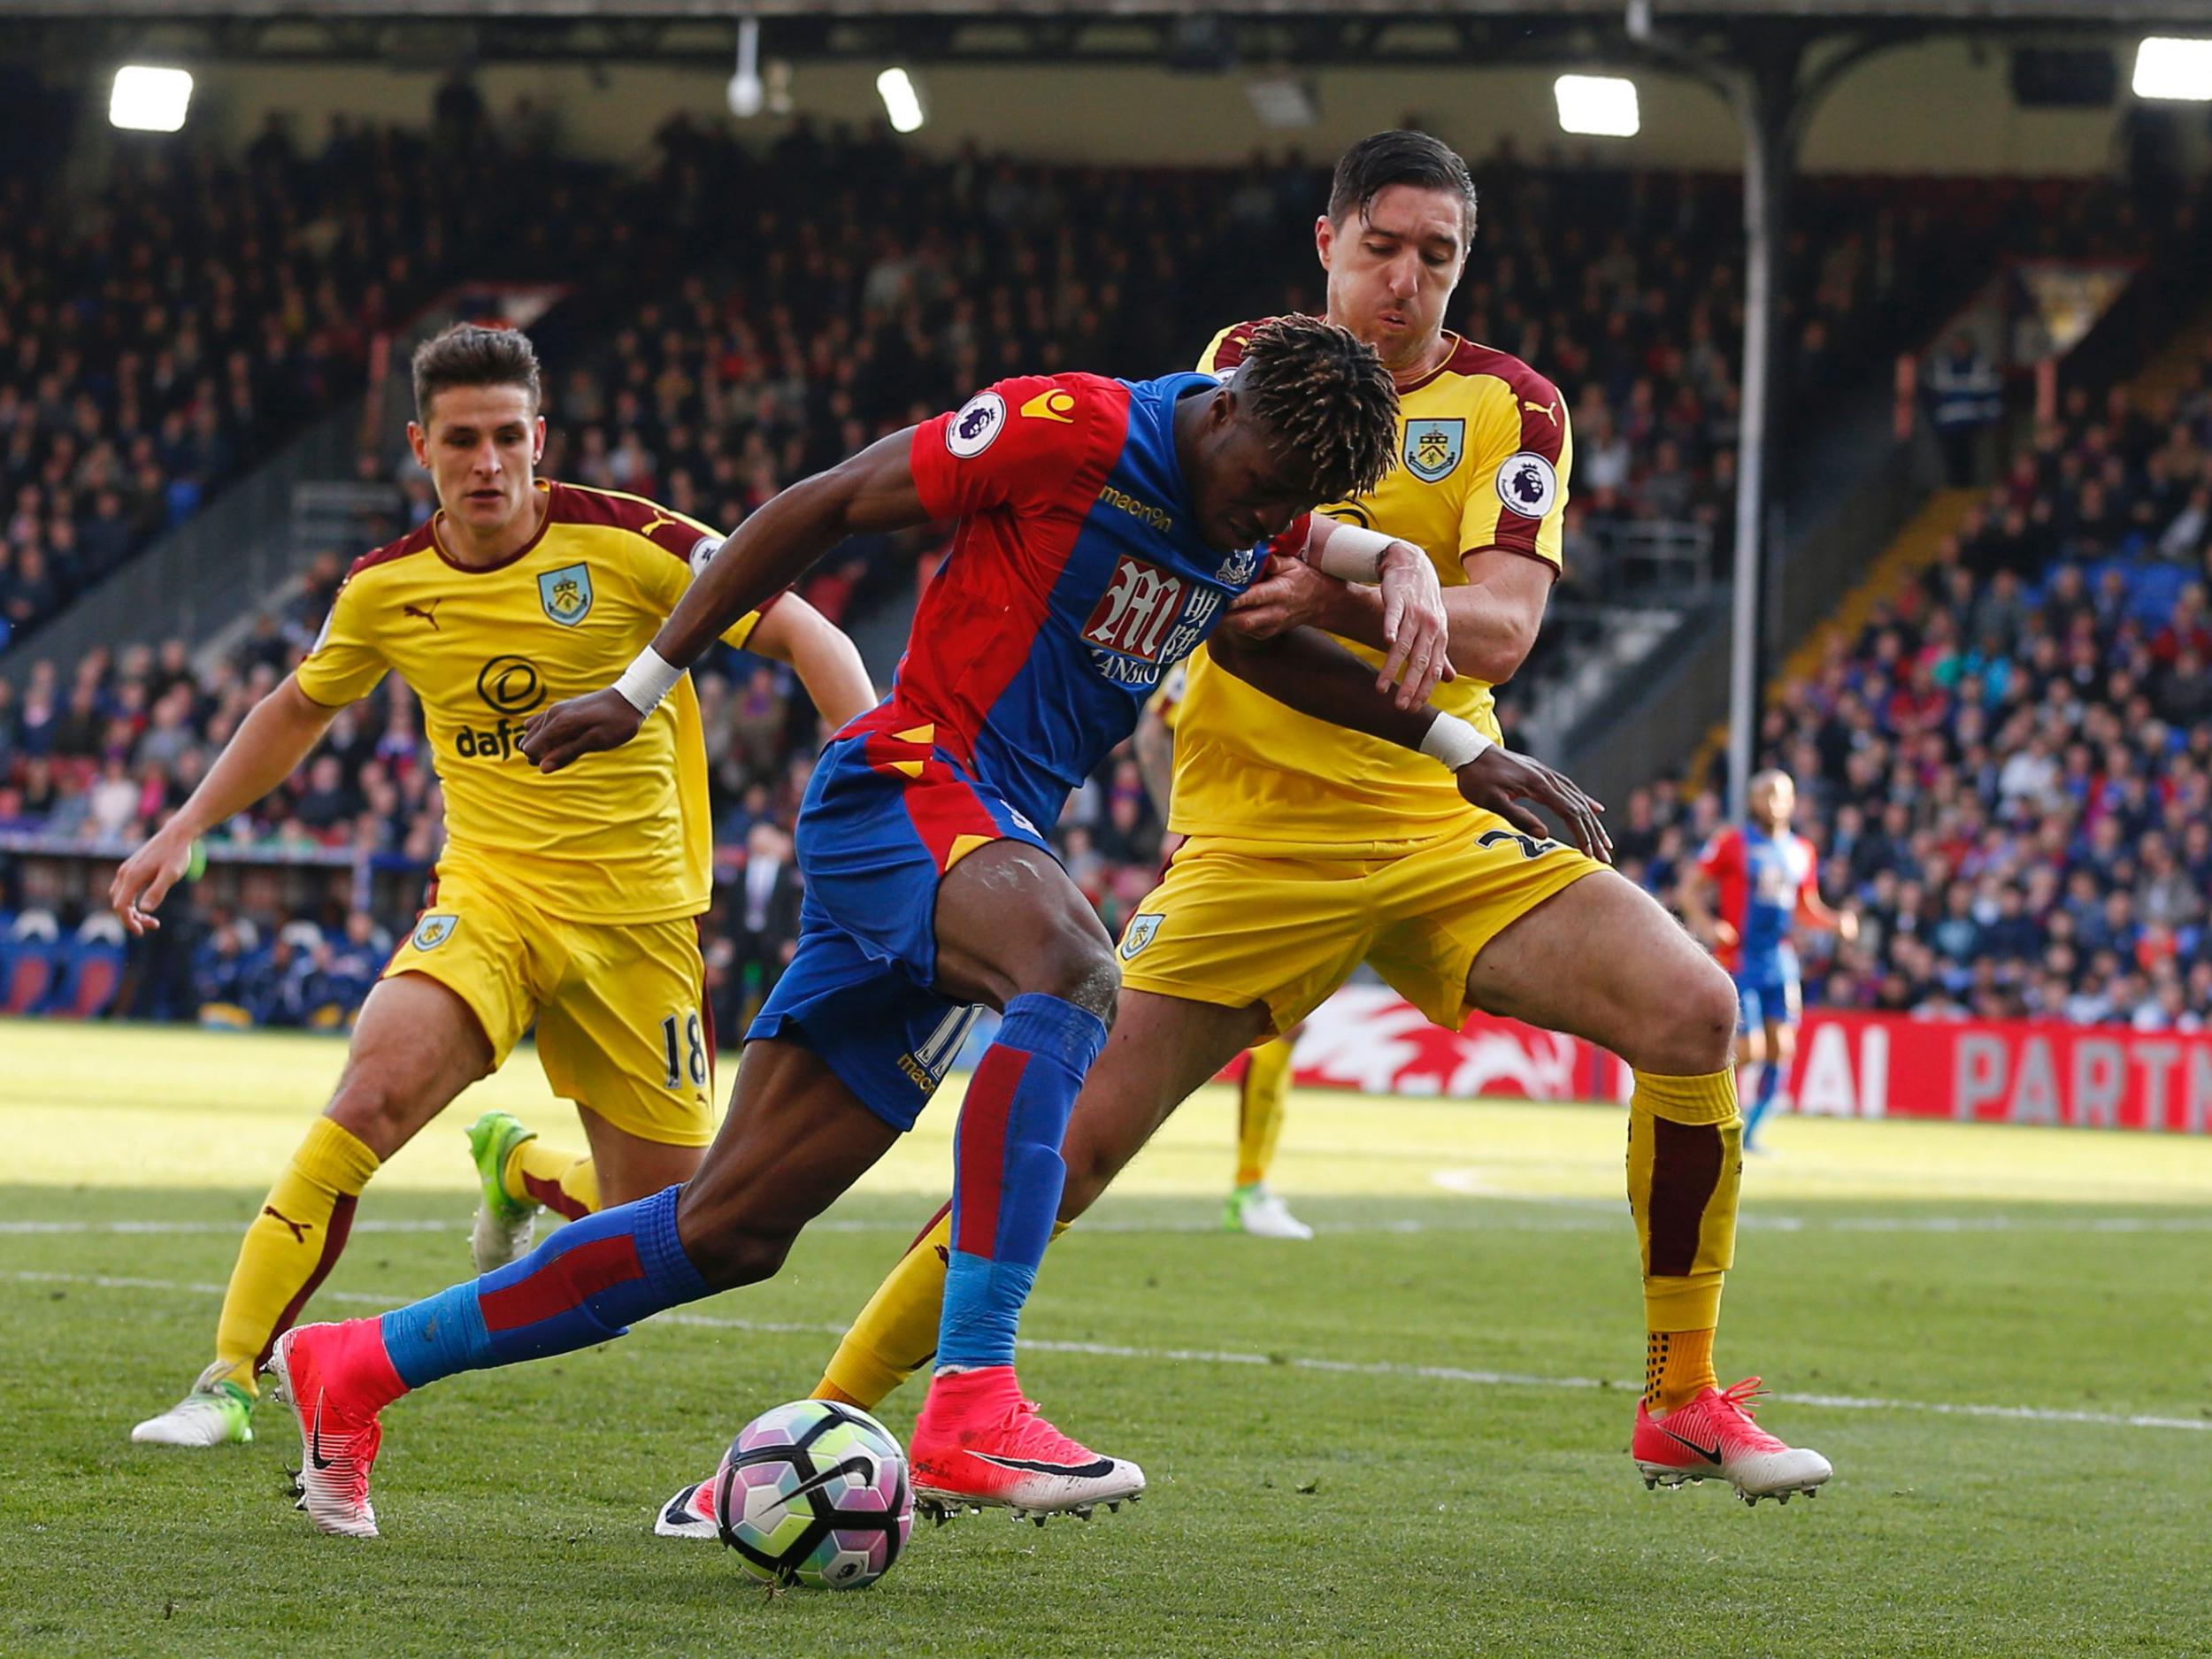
[
  {"x": 1556, "y": 1215},
  {"x": 1224, "y": 1356},
  {"x": 43, "y": 1227}
]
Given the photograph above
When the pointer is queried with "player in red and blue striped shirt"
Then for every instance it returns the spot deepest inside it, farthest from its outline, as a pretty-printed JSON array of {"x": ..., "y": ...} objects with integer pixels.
[
  {"x": 1766, "y": 877},
  {"x": 1104, "y": 528}
]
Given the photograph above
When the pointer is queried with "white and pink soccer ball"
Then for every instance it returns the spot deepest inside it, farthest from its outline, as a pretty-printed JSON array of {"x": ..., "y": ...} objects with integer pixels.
[{"x": 816, "y": 1494}]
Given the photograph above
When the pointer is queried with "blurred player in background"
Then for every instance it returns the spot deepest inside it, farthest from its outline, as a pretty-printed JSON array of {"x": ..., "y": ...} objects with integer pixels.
[
  {"x": 1263, "y": 1089},
  {"x": 1766, "y": 877},
  {"x": 1309, "y": 849},
  {"x": 1104, "y": 529},
  {"x": 571, "y": 901}
]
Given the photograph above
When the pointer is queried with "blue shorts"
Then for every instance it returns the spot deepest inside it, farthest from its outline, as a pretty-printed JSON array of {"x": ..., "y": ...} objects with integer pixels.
[
  {"x": 1767, "y": 993},
  {"x": 883, "y": 820}
]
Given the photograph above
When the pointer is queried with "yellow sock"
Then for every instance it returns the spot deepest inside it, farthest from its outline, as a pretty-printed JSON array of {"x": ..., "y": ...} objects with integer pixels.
[
  {"x": 291, "y": 1246},
  {"x": 1677, "y": 1368},
  {"x": 1260, "y": 1099},
  {"x": 566, "y": 1183},
  {"x": 1685, "y": 1173},
  {"x": 895, "y": 1334}
]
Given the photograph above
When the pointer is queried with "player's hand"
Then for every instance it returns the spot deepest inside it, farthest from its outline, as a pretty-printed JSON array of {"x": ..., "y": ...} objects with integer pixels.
[
  {"x": 1720, "y": 935},
  {"x": 1290, "y": 594},
  {"x": 1413, "y": 625},
  {"x": 1499, "y": 780},
  {"x": 143, "y": 879},
  {"x": 1848, "y": 926},
  {"x": 568, "y": 731}
]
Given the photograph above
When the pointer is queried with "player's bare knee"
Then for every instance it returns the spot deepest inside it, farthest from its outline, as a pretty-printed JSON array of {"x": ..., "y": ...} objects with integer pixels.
[
  {"x": 1077, "y": 965},
  {"x": 1707, "y": 1028},
  {"x": 368, "y": 1108},
  {"x": 1689, "y": 1028}
]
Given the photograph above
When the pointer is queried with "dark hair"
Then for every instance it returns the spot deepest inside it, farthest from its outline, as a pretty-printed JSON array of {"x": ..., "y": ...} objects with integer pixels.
[
  {"x": 1323, "y": 393},
  {"x": 1399, "y": 157},
  {"x": 469, "y": 354}
]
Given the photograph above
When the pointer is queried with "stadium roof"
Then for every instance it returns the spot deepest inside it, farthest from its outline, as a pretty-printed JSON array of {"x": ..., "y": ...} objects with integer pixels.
[
  {"x": 1371, "y": 33},
  {"x": 1020, "y": 11}
]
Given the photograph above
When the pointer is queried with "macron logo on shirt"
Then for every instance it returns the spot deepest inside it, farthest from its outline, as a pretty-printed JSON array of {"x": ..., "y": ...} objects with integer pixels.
[{"x": 1158, "y": 518}]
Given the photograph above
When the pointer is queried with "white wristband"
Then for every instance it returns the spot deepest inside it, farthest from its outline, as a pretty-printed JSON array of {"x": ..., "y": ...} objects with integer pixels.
[
  {"x": 1454, "y": 742},
  {"x": 647, "y": 680},
  {"x": 1350, "y": 552}
]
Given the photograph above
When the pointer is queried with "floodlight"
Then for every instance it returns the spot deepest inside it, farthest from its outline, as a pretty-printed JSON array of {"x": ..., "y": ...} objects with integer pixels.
[
  {"x": 1602, "y": 107},
  {"x": 902, "y": 101},
  {"x": 150, "y": 100},
  {"x": 747, "y": 92},
  {"x": 1282, "y": 101},
  {"x": 2166, "y": 67}
]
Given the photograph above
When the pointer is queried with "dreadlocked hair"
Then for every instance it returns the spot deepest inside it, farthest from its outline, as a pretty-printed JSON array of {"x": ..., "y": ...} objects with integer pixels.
[{"x": 1323, "y": 396}]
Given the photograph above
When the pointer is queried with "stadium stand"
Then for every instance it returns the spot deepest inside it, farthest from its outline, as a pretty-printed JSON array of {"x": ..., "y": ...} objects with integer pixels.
[{"x": 2007, "y": 762}]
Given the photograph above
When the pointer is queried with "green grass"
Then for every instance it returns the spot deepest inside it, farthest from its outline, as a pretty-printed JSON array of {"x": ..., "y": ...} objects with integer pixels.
[{"x": 1337, "y": 1466}]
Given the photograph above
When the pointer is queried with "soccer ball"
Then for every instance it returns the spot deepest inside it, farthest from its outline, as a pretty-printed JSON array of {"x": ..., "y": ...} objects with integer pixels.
[{"x": 815, "y": 1493}]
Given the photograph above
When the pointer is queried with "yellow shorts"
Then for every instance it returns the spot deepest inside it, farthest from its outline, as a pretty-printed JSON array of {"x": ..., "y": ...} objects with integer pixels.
[
  {"x": 1235, "y": 923},
  {"x": 619, "y": 1007}
]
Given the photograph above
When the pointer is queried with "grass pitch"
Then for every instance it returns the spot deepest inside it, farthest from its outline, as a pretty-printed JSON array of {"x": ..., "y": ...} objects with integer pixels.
[{"x": 1407, "y": 1436}]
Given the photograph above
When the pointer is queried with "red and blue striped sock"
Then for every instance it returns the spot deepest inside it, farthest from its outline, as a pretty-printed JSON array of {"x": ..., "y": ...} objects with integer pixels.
[
  {"x": 1007, "y": 1173},
  {"x": 585, "y": 1284}
]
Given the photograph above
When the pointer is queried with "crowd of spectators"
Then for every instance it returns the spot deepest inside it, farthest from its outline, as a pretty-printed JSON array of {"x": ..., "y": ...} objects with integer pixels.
[
  {"x": 2009, "y": 770},
  {"x": 160, "y": 336}
]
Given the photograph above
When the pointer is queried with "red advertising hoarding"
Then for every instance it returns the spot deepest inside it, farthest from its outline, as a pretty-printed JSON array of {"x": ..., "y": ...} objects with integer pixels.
[{"x": 1848, "y": 1065}]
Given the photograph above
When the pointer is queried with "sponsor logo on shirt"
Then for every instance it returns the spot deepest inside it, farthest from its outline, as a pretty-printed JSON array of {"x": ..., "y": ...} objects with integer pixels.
[
  {"x": 509, "y": 685},
  {"x": 1055, "y": 405},
  {"x": 1147, "y": 620},
  {"x": 1158, "y": 518}
]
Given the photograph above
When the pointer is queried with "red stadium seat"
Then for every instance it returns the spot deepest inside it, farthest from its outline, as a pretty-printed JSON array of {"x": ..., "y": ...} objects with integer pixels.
[
  {"x": 30, "y": 976},
  {"x": 93, "y": 987}
]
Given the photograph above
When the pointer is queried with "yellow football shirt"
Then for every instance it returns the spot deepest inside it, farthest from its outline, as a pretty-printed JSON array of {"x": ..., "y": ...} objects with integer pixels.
[
  {"x": 621, "y": 836},
  {"x": 1483, "y": 459}
]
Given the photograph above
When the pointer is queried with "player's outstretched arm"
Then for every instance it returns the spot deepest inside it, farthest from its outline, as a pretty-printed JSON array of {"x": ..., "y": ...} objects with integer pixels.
[
  {"x": 1310, "y": 672},
  {"x": 872, "y": 491},
  {"x": 268, "y": 745},
  {"x": 1816, "y": 912},
  {"x": 823, "y": 657}
]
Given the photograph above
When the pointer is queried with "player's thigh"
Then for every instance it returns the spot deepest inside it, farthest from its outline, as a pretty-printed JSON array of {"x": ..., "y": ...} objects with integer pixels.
[
  {"x": 1161, "y": 1049},
  {"x": 796, "y": 1139},
  {"x": 1599, "y": 959},
  {"x": 625, "y": 1033},
  {"x": 415, "y": 1047},
  {"x": 1439, "y": 904},
  {"x": 1231, "y": 929},
  {"x": 1011, "y": 921},
  {"x": 928, "y": 870}
]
